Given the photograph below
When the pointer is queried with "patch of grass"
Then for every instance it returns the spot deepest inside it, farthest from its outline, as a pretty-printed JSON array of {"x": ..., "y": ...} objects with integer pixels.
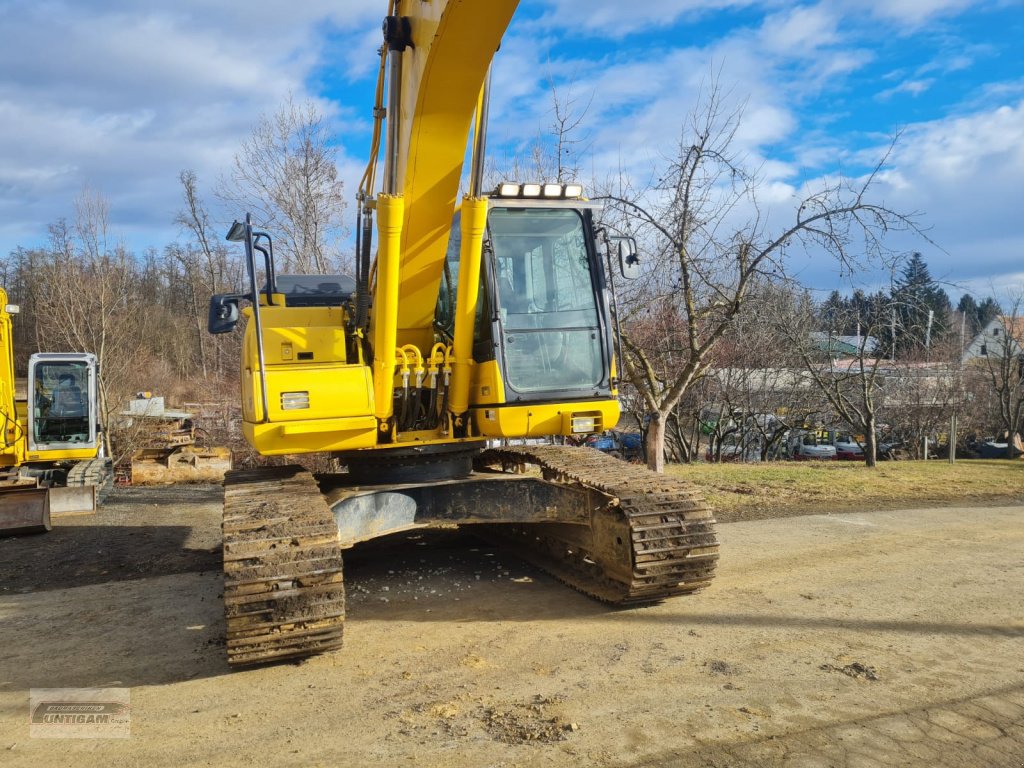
[{"x": 738, "y": 491}]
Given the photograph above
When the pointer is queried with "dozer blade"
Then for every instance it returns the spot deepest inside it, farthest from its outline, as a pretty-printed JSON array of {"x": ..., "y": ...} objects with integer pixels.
[
  {"x": 73, "y": 500},
  {"x": 24, "y": 509}
]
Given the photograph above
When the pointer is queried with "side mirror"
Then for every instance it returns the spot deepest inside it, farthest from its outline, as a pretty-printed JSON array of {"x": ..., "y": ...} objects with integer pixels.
[
  {"x": 223, "y": 316},
  {"x": 629, "y": 260}
]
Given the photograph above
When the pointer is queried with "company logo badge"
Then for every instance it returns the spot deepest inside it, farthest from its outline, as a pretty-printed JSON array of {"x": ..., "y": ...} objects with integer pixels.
[{"x": 79, "y": 713}]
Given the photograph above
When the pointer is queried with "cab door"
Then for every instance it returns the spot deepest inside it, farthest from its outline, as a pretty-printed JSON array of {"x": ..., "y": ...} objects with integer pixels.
[{"x": 62, "y": 412}]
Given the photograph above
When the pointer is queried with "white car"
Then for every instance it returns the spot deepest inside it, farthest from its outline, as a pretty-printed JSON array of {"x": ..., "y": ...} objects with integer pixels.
[
  {"x": 809, "y": 448},
  {"x": 848, "y": 449}
]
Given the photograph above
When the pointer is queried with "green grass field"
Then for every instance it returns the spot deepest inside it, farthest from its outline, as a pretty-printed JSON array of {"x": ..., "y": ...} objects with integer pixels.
[{"x": 740, "y": 491}]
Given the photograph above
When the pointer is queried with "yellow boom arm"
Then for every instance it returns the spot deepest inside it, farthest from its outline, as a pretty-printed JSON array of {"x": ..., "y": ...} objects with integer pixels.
[{"x": 443, "y": 71}]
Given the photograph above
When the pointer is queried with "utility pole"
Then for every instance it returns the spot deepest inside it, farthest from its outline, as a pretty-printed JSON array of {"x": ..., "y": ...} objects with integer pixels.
[
  {"x": 893, "y": 338},
  {"x": 959, "y": 390}
]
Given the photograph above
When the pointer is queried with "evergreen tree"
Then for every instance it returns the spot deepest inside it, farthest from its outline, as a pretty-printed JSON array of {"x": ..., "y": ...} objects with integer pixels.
[
  {"x": 968, "y": 307},
  {"x": 916, "y": 295},
  {"x": 863, "y": 312},
  {"x": 834, "y": 312},
  {"x": 988, "y": 310}
]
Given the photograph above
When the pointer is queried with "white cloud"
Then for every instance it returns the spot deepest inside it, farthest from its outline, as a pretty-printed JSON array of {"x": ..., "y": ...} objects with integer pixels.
[
  {"x": 1008, "y": 289},
  {"x": 121, "y": 98},
  {"x": 913, "y": 87},
  {"x": 800, "y": 31},
  {"x": 910, "y": 12},
  {"x": 966, "y": 174},
  {"x": 616, "y": 19}
]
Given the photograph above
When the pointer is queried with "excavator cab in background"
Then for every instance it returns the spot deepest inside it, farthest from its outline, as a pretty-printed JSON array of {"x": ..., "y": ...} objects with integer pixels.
[
  {"x": 63, "y": 414},
  {"x": 51, "y": 459},
  {"x": 449, "y": 343}
]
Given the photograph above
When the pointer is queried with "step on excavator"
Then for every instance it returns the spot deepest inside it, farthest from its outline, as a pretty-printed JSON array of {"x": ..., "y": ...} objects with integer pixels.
[
  {"x": 472, "y": 323},
  {"x": 51, "y": 460}
]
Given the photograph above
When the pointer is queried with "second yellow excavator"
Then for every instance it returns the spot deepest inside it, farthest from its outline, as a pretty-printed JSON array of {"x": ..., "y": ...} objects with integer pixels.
[
  {"x": 478, "y": 321},
  {"x": 51, "y": 459}
]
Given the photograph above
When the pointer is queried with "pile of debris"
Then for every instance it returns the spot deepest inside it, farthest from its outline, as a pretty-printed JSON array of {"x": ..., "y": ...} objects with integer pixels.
[{"x": 168, "y": 451}]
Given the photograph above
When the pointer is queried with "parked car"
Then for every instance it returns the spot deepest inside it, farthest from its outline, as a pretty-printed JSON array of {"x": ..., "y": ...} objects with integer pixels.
[
  {"x": 809, "y": 446},
  {"x": 621, "y": 445},
  {"x": 725, "y": 453},
  {"x": 990, "y": 449},
  {"x": 848, "y": 449}
]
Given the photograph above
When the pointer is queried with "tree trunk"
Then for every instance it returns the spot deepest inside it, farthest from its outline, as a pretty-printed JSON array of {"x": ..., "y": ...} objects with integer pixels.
[
  {"x": 870, "y": 443},
  {"x": 1011, "y": 446},
  {"x": 656, "y": 443}
]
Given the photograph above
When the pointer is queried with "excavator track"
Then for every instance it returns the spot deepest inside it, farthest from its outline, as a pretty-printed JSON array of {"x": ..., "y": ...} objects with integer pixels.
[
  {"x": 98, "y": 472},
  {"x": 284, "y": 596},
  {"x": 669, "y": 547},
  {"x": 649, "y": 537}
]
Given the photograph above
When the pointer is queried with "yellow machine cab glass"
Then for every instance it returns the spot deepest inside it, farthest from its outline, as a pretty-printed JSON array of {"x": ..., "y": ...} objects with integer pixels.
[
  {"x": 547, "y": 301},
  {"x": 61, "y": 402}
]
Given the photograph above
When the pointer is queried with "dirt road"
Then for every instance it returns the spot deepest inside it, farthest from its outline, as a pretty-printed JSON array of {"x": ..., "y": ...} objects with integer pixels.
[{"x": 861, "y": 639}]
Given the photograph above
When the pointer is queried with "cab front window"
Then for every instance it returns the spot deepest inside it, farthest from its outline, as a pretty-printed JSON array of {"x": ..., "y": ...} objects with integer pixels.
[{"x": 547, "y": 300}]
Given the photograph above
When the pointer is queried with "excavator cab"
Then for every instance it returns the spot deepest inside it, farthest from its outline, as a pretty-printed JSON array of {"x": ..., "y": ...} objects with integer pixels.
[
  {"x": 543, "y": 317},
  {"x": 544, "y": 333},
  {"x": 62, "y": 408},
  {"x": 552, "y": 320}
]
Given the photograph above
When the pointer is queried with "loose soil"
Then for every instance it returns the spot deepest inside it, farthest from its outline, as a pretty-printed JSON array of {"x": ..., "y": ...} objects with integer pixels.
[{"x": 862, "y": 638}]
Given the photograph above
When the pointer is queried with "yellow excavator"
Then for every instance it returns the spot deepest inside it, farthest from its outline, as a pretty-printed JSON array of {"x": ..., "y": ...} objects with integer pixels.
[
  {"x": 471, "y": 323},
  {"x": 51, "y": 460}
]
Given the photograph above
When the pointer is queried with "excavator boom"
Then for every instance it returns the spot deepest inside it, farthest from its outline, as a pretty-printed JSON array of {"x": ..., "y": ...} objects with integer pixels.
[{"x": 446, "y": 51}]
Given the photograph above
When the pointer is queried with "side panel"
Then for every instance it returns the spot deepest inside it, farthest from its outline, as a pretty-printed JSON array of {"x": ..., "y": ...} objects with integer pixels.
[
  {"x": 312, "y": 436},
  {"x": 316, "y": 400},
  {"x": 310, "y": 393},
  {"x": 488, "y": 388}
]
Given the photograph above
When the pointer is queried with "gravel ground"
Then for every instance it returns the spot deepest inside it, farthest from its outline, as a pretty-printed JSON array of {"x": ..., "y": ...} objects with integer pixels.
[{"x": 856, "y": 639}]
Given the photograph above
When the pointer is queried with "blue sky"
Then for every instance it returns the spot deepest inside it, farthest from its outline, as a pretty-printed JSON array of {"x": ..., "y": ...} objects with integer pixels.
[{"x": 120, "y": 96}]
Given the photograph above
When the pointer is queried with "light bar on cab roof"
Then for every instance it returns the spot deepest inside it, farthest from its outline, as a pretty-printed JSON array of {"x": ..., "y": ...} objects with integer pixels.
[{"x": 512, "y": 189}]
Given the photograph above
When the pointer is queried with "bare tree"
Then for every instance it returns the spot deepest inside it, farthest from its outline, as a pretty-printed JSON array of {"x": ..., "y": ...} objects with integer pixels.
[
  {"x": 712, "y": 244},
  {"x": 554, "y": 155},
  {"x": 208, "y": 269},
  {"x": 1003, "y": 368},
  {"x": 561, "y": 161},
  {"x": 851, "y": 384},
  {"x": 285, "y": 175},
  {"x": 921, "y": 394},
  {"x": 761, "y": 373},
  {"x": 88, "y": 300}
]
